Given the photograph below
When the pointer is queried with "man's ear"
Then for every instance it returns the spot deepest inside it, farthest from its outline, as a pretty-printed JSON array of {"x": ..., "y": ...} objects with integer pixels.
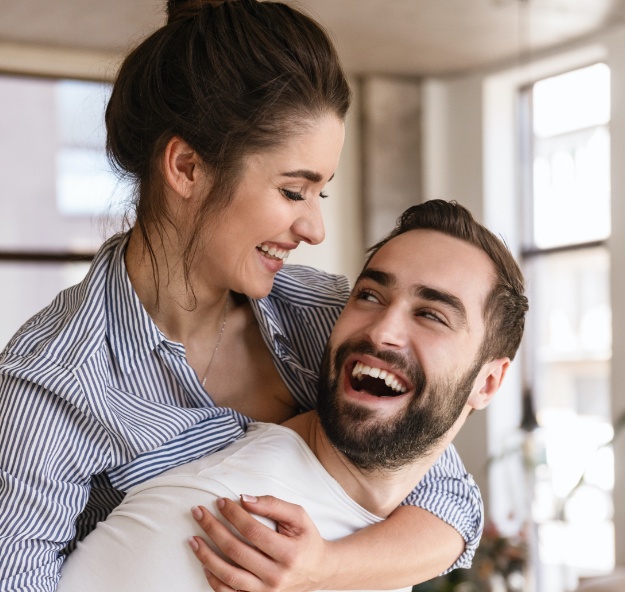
[
  {"x": 488, "y": 382},
  {"x": 181, "y": 167}
]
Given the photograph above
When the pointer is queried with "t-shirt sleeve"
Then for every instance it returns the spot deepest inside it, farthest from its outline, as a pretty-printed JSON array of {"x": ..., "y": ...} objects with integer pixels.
[{"x": 451, "y": 494}]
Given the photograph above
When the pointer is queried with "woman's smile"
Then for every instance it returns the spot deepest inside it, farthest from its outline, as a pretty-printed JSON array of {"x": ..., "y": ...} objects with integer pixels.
[{"x": 275, "y": 206}]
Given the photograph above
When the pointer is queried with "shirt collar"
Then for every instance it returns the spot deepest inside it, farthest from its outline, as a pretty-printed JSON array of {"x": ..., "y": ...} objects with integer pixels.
[
  {"x": 132, "y": 332},
  {"x": 272, "y": 326}
]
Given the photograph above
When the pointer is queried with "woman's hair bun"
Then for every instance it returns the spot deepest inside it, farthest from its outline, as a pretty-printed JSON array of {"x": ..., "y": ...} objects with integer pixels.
[{"x": 177, "y": 9}]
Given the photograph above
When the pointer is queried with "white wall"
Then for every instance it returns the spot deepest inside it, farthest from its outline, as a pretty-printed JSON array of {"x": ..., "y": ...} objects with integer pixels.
[
  {"x": 49, "y": 61},
  {"x": 616, "y": 48}
]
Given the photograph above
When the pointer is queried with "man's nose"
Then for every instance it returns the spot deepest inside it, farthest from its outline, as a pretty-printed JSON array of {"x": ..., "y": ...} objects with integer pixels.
[
  {"x": 309, "y": 225},
  {"x": 389, "y": 329}
]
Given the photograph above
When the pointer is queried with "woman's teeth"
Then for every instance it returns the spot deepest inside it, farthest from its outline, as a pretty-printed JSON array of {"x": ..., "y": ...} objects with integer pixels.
[
  {"x": 392, "y": 381},
  {"x": 281, "y": 254}
]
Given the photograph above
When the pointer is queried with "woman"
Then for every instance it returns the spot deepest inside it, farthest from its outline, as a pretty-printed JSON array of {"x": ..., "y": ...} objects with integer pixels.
[{"x": 230, "y": 120}]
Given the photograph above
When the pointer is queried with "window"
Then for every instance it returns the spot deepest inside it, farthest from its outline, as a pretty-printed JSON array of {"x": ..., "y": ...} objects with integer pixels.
[
  {"x": 85, "y": 185},
  {"x": 60, "y": 198},
  {"x": 568, "y": 339}
]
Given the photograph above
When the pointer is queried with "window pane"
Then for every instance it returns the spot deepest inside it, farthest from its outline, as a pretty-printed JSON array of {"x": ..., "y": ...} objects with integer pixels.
[
  {"x": 570, "y": 313},
  {"x": 572, "y": 188},
  {"x": 569, "y": 329},
  {"x": 85, "y": 184},
  {"x": 571, "y": 149},
  {"x": 59, "y": 192},
  {"x": 572, "y": 101}
]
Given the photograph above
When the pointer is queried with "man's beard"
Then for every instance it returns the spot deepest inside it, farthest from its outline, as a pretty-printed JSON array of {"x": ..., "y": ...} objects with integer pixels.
[{"x": 389, "y": 444}]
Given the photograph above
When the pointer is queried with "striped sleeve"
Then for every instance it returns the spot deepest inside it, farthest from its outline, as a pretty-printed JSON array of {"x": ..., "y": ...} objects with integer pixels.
[
  {"x": 451, "y": 494},
  {"x": 42, "y": 487}
]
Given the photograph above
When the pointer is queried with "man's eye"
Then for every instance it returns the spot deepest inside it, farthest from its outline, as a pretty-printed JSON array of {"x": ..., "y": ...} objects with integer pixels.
[
  {"x": 366, "y": 295},
  {"x": 292, "y": 195},
  {"x": 428, "y": 314}
]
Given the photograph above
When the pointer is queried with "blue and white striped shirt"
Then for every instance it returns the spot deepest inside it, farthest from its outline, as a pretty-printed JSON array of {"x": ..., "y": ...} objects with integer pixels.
[{"x": 94, "y": 399}]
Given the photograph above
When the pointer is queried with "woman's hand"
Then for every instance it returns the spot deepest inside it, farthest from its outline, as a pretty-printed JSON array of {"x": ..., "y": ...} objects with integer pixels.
[
  {"x": 293, "y": 559},
  {"x": 410, "y": 546}
]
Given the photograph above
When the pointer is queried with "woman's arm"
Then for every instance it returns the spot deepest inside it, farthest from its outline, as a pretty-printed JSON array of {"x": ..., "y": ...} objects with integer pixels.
[
  {"x": 410, "y": 546},
  {"x": 45, "y": 449}
]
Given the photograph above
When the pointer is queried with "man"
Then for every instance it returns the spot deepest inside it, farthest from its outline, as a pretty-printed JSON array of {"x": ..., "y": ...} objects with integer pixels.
[{"x": 427, "y": 336}]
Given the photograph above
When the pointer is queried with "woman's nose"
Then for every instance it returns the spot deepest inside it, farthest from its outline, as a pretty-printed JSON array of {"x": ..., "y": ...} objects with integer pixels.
[{"x": 309, "y": 226}]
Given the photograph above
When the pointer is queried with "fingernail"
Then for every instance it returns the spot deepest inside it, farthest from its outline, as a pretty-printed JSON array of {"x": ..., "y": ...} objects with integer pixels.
[
  {"x": 197, "y": 513},
  {"x": 251, "y": 499},
  {"x": 220, "y": 503},
  {"x": 193, "y": 543}
]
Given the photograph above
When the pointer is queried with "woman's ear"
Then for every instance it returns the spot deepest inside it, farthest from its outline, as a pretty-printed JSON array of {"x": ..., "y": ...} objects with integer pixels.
[
  {"x": 181, "y": 167},
  {"x": 488, "y": 382}
]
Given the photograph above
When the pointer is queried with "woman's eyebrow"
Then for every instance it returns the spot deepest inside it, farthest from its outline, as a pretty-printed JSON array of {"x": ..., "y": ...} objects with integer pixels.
[{"x": 312, "y": 176}]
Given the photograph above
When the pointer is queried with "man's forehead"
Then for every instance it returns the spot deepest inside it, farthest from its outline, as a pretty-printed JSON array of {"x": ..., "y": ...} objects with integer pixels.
[{"x": 432, "y": 258}]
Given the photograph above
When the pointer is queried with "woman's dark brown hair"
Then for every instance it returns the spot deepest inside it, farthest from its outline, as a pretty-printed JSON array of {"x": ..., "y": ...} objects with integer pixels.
[{"x": 230, "y": 78}]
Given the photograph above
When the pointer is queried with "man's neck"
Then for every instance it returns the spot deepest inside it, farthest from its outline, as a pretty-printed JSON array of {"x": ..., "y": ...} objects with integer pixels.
[{"x": 380, "y": 492}]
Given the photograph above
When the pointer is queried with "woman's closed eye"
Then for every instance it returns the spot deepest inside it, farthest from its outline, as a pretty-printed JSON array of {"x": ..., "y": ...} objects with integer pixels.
[
  {"x": 298, "y": 195},
  {"x": 293, "y": 195}
]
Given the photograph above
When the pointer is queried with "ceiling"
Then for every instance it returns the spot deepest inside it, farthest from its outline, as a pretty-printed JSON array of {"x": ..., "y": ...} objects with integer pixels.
[{"x": 407, "y": 37}]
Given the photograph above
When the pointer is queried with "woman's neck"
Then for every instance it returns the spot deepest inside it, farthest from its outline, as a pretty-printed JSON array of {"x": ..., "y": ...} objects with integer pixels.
[{"x": 184, "y": 313}]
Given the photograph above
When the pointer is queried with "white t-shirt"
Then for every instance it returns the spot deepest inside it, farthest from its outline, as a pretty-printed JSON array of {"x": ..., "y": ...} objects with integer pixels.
[{"x": 142, "y": 546}]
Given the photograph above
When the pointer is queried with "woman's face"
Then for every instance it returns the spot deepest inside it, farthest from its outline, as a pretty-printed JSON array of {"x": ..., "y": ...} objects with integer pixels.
[{"x": 275, "y": 206}]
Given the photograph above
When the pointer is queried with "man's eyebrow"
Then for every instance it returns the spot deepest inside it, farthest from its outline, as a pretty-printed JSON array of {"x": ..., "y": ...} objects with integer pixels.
[
  {"x": 436, "y": 295},
  {"x": 379, "y": 277},
  {"x": 311, "y": 176}
]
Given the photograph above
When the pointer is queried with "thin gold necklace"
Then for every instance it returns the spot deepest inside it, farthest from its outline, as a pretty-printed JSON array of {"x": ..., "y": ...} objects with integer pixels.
[{"x": 221, "y": 332}]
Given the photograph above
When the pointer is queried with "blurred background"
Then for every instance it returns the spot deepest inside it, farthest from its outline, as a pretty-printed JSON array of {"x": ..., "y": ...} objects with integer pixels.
[{"x": 514, "y": 108}]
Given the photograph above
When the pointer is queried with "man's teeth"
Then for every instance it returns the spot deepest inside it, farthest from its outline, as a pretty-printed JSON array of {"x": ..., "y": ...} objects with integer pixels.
[
  {"x": 274, "y": 252},
  {"x": 389, "y": 378}
]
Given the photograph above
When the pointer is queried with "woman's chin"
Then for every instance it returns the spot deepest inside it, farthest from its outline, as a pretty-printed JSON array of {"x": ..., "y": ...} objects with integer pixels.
[{"x": 259, "y": 289}]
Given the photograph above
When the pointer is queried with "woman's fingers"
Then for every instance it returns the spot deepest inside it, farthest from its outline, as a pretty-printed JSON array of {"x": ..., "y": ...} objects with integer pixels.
[
  {"x": 220, "y": 574},
  {"x": 291, "y": 521},
  {"x": 216, "y": 584},
  {"x": 289, "y": 560},
  {"x": 243, "y": 559},
  {"x": 293, "y": 554}
]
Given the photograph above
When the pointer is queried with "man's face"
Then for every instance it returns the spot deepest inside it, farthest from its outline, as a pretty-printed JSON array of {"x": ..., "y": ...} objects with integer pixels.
[{"x": 402, "y": 362}]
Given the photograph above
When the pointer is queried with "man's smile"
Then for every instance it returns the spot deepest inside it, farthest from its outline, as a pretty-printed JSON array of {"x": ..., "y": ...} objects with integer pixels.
[{"x": 378, "y": 381}]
